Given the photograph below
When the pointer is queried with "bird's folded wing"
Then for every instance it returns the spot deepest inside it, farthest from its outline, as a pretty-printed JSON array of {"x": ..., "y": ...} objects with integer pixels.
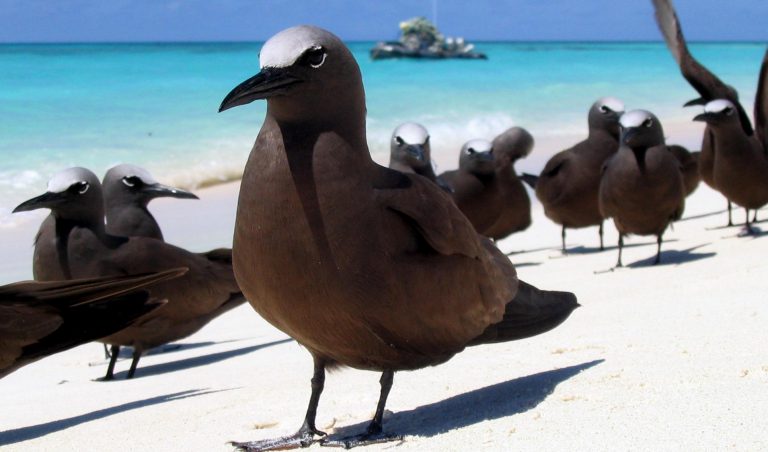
[{"x": 434, "y": 215}]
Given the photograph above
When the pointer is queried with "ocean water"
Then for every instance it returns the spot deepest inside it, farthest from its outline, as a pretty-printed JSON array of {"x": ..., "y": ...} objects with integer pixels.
[{"x": 96, "y": 105}]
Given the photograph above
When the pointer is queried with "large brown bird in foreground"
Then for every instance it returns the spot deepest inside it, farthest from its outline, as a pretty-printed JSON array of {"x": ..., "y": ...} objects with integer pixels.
[
  {"x": 364, "y": 266},
  {"x": 719, "y": 140},
  {"x": 73, "y": 243},
  {"x": 38, "y": 319}
]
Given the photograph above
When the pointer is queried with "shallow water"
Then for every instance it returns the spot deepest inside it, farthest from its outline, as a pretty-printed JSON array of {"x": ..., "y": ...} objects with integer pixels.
[{"x": 96, "y": 105}]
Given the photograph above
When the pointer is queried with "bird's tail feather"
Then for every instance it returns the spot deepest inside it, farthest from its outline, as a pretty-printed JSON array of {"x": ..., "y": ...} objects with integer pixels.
[{"x": 531, "y": 312}]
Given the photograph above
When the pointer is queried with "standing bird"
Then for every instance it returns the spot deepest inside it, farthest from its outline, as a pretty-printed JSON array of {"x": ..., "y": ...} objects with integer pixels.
[
  {"x": 73, "y": 243},
  {"x": 741, "y": 161},
  {"x": 567, "y": 186},
  {"x": 127, "y": 191},
  {"x": 392, "y": 275},
  {"x": 475, "y": 187},
  {"x": 38, "y": 319},
  {"x": 515, "y": 214},
  {"x": 642, "y": 185},
  {"x": 410, "y": 152},
  {"x": 710, "y": 88}
]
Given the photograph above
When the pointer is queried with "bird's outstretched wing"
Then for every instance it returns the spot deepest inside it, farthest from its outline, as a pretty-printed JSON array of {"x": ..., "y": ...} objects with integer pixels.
[{"x": 761, "y": 104}]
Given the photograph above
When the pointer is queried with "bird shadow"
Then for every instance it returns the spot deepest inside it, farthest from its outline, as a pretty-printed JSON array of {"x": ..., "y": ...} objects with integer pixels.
[
  {"x": 526, "y": 264},
  {"x": 580, "y": 249},
  {"x": 532, "y": 250},
  {"x": 196, "y": 361},
  {"x": 674, "y": 257},
  {"x": 35, "y": 431},
  {"x": 491, "y": 402}
]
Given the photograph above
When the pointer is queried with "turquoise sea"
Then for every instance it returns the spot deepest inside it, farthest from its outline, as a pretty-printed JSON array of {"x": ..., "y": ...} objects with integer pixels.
[{"x": 96, "y": 105}]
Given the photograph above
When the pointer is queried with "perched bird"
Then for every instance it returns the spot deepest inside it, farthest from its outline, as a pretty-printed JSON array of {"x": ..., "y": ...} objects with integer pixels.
[
  {"x": 410, "y": 152},
  {"x": 642, "y": 184},
  {"x": 710, "y": 88},
  {"x": 364, "y": 266},
  {"x": 475, "y": 186},
  {"x": 127, "y": 191},
  {"x": 741, "y": 161},
  {"x": 515, "y": 214},
  {"x": 689, "y": 165},
  {"x": 567, "y": 186},
  {"x": 73, "y": 243},
  {"x": 38, "y": 319}
]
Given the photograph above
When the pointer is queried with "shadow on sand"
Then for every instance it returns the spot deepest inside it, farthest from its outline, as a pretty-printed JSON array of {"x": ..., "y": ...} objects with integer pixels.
[
  {"x": 35, "y": 431},
  {"x": 674, "y": 257},
  {"x": 188, "y": 363},
  {"x": 491, "y": 402}
]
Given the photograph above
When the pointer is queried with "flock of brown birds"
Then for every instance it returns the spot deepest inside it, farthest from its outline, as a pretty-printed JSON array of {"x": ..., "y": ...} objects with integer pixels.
[{"x": 382, "y": 269}]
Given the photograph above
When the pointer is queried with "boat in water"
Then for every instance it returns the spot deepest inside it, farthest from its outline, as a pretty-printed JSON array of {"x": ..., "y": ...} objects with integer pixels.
[{"x": 421, "y": 39}]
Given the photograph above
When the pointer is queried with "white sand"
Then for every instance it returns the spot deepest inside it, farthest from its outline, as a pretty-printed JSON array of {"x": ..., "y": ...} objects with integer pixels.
[{"x": 672, "y": 357}]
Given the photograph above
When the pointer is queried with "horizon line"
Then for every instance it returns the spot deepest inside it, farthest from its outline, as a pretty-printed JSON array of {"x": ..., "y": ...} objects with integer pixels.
[{"x": 472, "y": 41}]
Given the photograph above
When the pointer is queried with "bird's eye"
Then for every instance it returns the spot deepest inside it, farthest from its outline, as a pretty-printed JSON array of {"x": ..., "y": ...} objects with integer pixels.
[
  {"x": 647, "y": 123},
  {"x": 471, "y": 151},
  {"x": 604, "y": 109},
  {"x": 315, "y": 57},
  {"x": 80, "y": 187},
  {"x": 399, "y": 140},
  {"x": 728, "y": 111},
  {"x": 131, "y": 181}
]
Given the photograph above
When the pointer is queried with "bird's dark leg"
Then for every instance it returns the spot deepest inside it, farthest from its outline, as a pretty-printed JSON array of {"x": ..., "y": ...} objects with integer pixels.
[
  {"x": 305, "y": 437},
  {"x": 106, "y": 352},
  {"x": 658, "y": 250},
  {"x": 754, "y": 217},
  {"x": 135, "y": 362},
  {"x": 730, "y": 217},
  {"x": 114, "y": 351},
  {"x": 600, "y": 231},
  {"x": 562, "y": 235},
  {"x": 748, "y": 229},
  {"x": 621, "y": 246},
  {"x": 374, "y": 433}
]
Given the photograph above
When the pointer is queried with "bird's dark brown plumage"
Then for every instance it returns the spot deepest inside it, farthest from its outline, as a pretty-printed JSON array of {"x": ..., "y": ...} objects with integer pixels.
[
  {"x": 476, "y": 189},
  {"x": 73, "y": 243},
  {"x": 38, "y": 319},
  {"x": 515, "y": 210},
  {"x": 689, "y": 165},
  {"x": 365, "y": 266},
  {"x": 568, "y": 185},
  {"x": 642, "y": 185}
]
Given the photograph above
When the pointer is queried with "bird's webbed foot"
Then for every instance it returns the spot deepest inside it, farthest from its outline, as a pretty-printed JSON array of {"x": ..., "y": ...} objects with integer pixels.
[
  {"x": 374, "y": 434},
  {"x": 305, "y": 437}
]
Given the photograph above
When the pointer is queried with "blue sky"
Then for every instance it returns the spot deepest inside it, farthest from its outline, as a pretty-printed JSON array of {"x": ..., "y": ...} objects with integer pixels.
[{"x": 249, "y": 20}]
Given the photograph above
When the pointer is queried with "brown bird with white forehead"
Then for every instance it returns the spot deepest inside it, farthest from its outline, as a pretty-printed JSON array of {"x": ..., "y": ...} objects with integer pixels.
[
  {"x": 568, "y": 185},
  {"x": 711, "y": 88},
  {"x": 642, "y": 185},
  {"x": 364, "y": 266},
  {"x": 411, "y": 152},
  {"x": 73, "y": 243},
  {"x": 475, "y": 187},
  {"x": 127, "y": 191}
]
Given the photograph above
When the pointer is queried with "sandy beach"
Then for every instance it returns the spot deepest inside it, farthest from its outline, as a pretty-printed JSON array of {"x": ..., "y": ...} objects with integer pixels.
[{"x": 667, "y": 357}]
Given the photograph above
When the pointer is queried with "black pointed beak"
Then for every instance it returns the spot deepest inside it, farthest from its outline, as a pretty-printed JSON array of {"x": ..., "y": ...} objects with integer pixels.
[
  {"x": 267, "y": 83},
  {"x": 47, "y": 200},
  {"x": 627, "y": 135},
  {"x": 160, "y": 190},
  {"x": 704, "y": 117},
  {"x": 416, "y": 151},
  {"x": 692, "y": 102}
]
